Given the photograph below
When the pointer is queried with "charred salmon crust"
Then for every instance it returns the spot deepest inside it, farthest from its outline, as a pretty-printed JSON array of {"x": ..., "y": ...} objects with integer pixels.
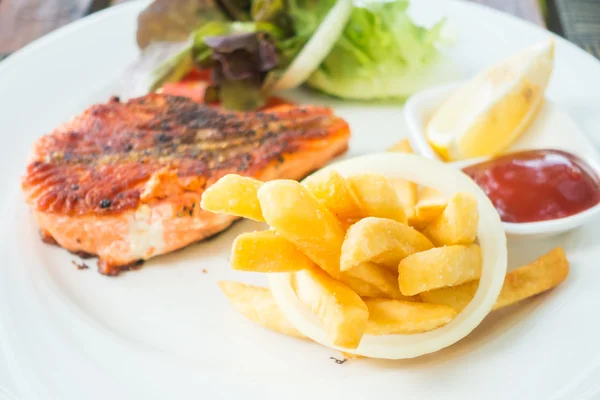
[{"x": 123, "y": 179}]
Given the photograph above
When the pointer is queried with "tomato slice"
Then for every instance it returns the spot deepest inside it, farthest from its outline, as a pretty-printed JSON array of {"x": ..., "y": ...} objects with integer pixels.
[
  {"x": 276, "y": 101},
  {"x": 193, "y": 89},
  {"x": 197, "y": 74}
]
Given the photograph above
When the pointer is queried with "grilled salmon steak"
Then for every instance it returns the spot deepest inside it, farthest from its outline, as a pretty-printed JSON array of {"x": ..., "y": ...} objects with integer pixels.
[{"x": 124, "y": 180}]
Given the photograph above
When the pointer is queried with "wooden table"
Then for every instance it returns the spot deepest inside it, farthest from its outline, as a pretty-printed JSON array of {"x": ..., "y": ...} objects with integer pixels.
[{"x": 22, "y": 21}]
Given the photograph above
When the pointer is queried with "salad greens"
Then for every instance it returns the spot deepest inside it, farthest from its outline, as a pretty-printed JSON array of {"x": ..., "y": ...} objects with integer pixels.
[
  {"x": 243, "y": 53},
  {"x": 380, "y": 54},
  {"x": 368, "y": 49},
  {"x": 317, "y": 29}
]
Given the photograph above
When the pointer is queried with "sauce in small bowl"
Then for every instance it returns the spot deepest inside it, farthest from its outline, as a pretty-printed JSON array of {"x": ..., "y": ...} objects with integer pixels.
[
  {"x": 552, "y": 129},
  {"x": 537, "y": 185},
  {"x": 538, "y": 193}
]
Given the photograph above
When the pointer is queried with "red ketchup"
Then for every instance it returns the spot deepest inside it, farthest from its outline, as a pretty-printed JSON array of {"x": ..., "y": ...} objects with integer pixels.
[{"x": 537, "y": 185}]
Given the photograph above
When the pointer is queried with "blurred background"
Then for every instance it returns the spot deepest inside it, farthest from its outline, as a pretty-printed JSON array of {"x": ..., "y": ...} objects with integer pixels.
[{"x": 22, "y": 21}]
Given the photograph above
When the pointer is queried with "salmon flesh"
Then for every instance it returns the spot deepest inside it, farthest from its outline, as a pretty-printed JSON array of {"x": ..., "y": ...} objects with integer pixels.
[{"x": 123, "y": 180}]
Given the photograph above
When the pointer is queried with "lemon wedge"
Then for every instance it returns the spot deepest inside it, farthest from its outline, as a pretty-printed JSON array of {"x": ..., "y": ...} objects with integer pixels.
[{"x": 493, "y": 109}]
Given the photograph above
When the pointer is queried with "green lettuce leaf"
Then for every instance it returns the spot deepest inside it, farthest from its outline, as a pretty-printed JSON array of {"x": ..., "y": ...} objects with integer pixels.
[
  {"x": 173, "y": 69},
  {"x": 273, "y": 12},
  {"x": 381, "y": 54},
  {"x": 305, "y": 17}
]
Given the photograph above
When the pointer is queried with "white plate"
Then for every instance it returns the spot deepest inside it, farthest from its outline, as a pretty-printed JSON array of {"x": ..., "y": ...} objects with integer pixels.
[
  {"x": 552, "y": 129},
  {"x": 167, "y": 332}
]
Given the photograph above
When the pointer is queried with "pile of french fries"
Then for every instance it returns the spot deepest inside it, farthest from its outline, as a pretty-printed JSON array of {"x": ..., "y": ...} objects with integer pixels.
[{"x": 368, "y": 254}]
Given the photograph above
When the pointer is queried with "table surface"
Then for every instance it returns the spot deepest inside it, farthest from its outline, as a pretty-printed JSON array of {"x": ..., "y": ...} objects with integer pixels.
[{"x": 22, "y": 21}]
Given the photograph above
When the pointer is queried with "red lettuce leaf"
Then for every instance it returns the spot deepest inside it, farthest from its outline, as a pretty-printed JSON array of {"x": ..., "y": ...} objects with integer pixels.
[{"x": 240, "y": 63}]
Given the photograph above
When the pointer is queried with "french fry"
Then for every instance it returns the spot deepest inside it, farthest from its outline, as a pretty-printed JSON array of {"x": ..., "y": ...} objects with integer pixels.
[
  {"x": 402, "y": 146},
  {"x": 430, "y": 204},
  {"x": 543, "y": 274},
  {"x": 376, "y": 276},
  {"x": 295, "y": 214},
  {"x": 456, "y": 297},
  {"x": 342, "y": 312},
  {"x": 298, "y": 216},
  {"x": 266, "y": 251},
  {"x": 388, "y": 317},
  {"x": 347, "y": 223},
  {"x": 406, "y": 190},
  {"x": 361, "y": 287},
  {"x": 377, "y": 196},
  {"x": 333, "y": 191},
  {"x": 234, "y": 195},
  {"x": 258, "y": 305},
  {"x": 382, "y": 241},
  {"x": 457, "y": 224},
  {"x": 439, "y": 267},
  {"x": 378, "y": 283},
  {"x": 407, "y": 194}
]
